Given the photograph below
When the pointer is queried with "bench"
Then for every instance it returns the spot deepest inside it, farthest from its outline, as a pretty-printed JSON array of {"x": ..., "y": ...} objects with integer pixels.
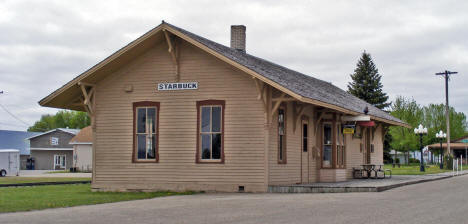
[{"x": 358, "y": 173}]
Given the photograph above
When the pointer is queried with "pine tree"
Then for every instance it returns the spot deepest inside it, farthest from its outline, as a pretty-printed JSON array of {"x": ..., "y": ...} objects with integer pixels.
[{"x": 366, "y": 83}]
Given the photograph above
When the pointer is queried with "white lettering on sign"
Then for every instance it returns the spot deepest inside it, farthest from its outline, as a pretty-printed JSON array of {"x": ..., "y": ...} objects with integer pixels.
[{"x": 177, "y": 86}]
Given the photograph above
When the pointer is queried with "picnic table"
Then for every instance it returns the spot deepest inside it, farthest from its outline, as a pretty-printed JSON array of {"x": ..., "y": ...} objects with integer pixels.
[{"x": 369, "y": 168}]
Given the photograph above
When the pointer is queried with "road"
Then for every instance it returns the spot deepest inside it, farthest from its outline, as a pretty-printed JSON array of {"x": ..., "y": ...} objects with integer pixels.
[{"x": 443, "y": 201}]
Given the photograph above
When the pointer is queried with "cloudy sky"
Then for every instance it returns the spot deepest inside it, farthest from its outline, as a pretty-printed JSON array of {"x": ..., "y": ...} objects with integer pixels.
[{"x": 44, "y": 44}]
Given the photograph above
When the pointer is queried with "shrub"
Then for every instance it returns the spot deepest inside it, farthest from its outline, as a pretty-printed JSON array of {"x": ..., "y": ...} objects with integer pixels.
[
  {"x": 413, "y": 160},
  {"x": 448, "y": 162}
]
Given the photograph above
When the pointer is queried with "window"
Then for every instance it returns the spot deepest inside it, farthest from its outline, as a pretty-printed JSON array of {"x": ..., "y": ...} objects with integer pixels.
[
  {"x": 340, "y": 147},
  {"x": 282, "y": 134},
  {"x": 333, "y": 145},
  {"x": 54, "y": 141},
  {"x": 146, "y": 120},
  {"x": 305, "y": 136},
  {"x": 210, "y": 130},
  {"x": 327, "y": 145}
]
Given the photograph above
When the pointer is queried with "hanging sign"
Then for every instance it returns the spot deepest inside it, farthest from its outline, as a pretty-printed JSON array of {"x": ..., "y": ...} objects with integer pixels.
[
  {"x": 177, "y": 86},
  {"x": 348, "y": 129}
]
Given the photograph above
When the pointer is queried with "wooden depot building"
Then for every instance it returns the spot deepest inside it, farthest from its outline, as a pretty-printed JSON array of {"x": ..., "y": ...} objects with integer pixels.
[{"x": 175, "y": 111}]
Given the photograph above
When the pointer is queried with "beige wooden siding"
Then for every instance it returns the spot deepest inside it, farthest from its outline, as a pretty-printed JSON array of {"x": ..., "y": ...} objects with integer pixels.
[
  {"x": 177, "y": 170},
  {"x": 290, "y": 172},
  {"x": 354, "y": 157}
]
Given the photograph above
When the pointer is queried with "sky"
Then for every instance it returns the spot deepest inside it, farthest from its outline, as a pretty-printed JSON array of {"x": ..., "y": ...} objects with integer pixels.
[{"x": 44, "y": 44}]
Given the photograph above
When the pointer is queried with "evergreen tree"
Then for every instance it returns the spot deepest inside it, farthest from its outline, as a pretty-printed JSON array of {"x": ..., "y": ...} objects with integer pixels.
[{"x": 366, "y": 83}]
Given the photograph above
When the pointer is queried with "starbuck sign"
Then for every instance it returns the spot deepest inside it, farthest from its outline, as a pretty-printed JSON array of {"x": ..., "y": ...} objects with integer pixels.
[{"x": 177, "y": 86}]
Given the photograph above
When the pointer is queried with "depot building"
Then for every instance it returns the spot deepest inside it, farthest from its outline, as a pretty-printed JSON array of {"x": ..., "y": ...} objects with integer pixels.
[{"x": 175, "y": 111}]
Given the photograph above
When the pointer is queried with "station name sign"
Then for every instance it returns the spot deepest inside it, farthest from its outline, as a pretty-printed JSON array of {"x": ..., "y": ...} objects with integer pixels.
[{"x": 177, "y": 86}]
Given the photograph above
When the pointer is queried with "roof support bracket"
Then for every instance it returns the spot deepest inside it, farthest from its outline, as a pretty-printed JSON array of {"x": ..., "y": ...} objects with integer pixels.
[
  {"x": 297, "y": 113},
  {"x": 173, "y": 50},
  {"x": 374, "y": 129},
  {"x": 88, "y": 91},
  {"x": 278, "y": 103},
  {"x": 317, "y": 121},
  {"x": 260, "y": 88}
]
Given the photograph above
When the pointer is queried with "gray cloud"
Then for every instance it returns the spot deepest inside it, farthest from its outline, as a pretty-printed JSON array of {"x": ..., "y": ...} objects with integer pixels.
[{"x": 44, "y": 44}]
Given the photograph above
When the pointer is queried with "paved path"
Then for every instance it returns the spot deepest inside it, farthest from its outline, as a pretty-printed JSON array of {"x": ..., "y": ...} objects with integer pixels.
[
  {"x": 443, "y": 201},
  {"x": 44, "y": 173}
]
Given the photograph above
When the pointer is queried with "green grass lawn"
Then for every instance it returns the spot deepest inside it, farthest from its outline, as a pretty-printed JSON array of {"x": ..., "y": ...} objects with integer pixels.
[
  {"x": 67, "y": 171},
  {"x": 13, "y": 199},
  {"x": 20, "y": 180},
  {"x": 413, "y": 169}
]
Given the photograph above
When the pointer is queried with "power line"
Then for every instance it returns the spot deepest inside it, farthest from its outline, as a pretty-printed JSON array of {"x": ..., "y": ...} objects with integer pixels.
[{"x": 14, "y": 116}]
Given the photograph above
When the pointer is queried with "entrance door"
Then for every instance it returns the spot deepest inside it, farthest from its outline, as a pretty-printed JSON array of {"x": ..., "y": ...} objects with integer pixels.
[
  {"x": 367, "y": 145},
  {"x": 305, "y": 152},
  {"x": 59, "y": 162}
]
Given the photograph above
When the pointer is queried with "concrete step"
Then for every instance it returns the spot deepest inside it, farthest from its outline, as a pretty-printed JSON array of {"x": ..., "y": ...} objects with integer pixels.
[{"x": 319, "y": 189}]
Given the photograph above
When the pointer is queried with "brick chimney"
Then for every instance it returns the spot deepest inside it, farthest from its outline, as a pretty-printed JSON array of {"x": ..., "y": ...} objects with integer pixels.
[{"x": 238, "y": 37}]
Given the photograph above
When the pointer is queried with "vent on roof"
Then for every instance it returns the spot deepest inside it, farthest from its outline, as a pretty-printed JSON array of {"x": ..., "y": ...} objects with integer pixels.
[{"x": 238, "y": 37}]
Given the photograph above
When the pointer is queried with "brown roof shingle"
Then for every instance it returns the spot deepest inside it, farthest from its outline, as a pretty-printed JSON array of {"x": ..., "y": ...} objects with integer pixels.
[{"x": 84, "y": 136}]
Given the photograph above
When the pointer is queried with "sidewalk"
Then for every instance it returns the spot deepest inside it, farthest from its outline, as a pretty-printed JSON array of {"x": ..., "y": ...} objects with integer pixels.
[{"x": 361, "y": 185}]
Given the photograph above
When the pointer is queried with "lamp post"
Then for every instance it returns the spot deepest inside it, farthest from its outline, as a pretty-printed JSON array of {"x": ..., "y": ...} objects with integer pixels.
[
  {"x": 441, "y": 135},
  {"x": 420, "y": 130}
]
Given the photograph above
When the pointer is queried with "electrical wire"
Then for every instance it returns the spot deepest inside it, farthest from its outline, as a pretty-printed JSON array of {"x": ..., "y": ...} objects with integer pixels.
[{"x": 14, "y": 116}]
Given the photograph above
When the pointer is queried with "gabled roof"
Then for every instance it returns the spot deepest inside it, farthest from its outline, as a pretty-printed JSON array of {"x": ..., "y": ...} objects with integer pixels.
[
  {"x": 16, "y": 140},
  {"x": 302, "y": 87},
  {"x": 85, "y": 136},
  {"x": 67, "y": 130}
]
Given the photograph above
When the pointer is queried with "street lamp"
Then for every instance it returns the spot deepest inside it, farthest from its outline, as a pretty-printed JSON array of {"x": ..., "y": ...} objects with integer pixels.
[
  {"x": 420, "y": 130},
  {"x": 441, "y": 135}
]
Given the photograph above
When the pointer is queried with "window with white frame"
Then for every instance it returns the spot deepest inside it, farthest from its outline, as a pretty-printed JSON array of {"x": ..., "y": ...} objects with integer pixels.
[{"x": 54, "y": 141}]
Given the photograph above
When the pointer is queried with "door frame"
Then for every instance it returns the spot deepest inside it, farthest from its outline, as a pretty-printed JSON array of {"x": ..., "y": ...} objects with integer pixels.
[
  {"x": 60, "y": 162},
  {"x": 367, "y": 145}
]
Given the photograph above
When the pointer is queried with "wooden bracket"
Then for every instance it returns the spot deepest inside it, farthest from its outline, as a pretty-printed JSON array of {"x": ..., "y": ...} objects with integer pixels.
[
  {"x": 277, "y": 104},
  {"x": 88, "y": 96},
  {"x": 317, "y": 121},
  {"x": 260, "y": 88},
  {"x": 173, "y": 50},
  {"x": 385, "y": 129},
  {"x": 374, "y": 129},
  {"x": 298, "y": 110}
]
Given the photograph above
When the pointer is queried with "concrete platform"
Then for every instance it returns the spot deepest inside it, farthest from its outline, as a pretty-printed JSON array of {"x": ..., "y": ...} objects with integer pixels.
[{"x": 361, "y": 185}]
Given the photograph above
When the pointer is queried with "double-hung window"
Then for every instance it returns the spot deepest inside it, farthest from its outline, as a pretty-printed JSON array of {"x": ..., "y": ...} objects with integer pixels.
[
  {"x": 327, "y": 145},
  {"x": 282, "y": 134},
  {"x": 340, "y": 147},
  {"x": 210, "y": 131},
  {"x": 146, "y": 116}
]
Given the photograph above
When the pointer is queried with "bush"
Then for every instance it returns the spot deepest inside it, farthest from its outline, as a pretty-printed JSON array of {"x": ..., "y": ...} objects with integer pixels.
[
  {"x": 413, "y": 160},
  {"x": 448, "y": 162},
  {"x": 397, "y": 160}
]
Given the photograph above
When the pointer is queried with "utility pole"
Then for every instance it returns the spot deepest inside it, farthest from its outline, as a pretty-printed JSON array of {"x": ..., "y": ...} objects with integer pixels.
[{"x": 446, "y": 75}]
